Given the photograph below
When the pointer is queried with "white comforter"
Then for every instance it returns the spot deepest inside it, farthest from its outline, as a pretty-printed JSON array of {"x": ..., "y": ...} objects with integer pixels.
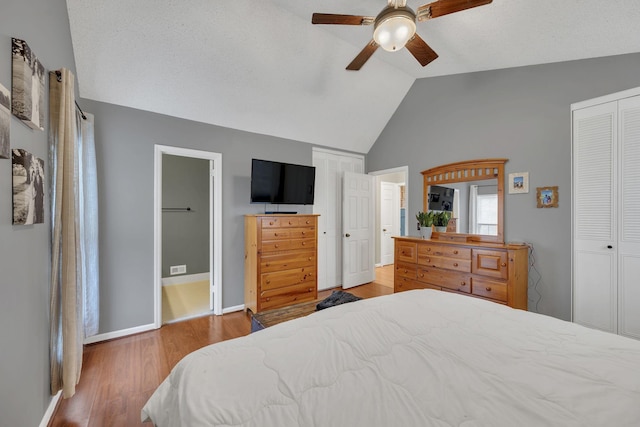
[{"x": 418, "y": 358}]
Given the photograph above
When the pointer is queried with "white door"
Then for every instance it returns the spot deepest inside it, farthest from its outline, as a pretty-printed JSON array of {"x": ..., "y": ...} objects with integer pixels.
[
  {"x": 328, "y": 204},
  {"x": 629, "y": 217},
  {"x": 389, "y": 220},
  {"x": 358, "y": 229},
  {"x": 594, "y": 225}
]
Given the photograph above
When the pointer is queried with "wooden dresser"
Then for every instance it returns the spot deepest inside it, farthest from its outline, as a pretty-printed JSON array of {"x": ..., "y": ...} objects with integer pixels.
[
  {"x": 492, "y": 271},
  {"x": 280, "y": 260}
]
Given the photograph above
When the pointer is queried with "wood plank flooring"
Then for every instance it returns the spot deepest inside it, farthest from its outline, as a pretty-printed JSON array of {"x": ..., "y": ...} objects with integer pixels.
[{"x": 118, "y": 376}]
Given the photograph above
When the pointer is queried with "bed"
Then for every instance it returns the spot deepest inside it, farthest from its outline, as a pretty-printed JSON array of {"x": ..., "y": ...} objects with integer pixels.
[{"x": 417, "y": 358}]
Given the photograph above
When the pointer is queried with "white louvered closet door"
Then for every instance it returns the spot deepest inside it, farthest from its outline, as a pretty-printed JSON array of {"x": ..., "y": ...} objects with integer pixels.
[
  {"x": 594, "y": 225},
  {"x": 629, "y": 217}
]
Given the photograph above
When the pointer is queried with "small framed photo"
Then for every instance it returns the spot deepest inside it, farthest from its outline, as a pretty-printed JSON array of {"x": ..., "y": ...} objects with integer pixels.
[
  {"x": 547, "y": 197},
  {"x": 518, "y": 182}
]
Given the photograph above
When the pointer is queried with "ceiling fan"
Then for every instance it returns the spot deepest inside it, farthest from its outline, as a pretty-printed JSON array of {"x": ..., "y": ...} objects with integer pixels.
[{"x": 395, "y": 27}]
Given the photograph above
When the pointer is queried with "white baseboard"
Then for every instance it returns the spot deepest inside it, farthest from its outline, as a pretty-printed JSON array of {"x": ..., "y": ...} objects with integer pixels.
[
  {"x": 119, "y": 334},
  {"x": 233, "y": 309},
  {"x": 50, "y": 409},
  {"x": 186, "y": 278}
]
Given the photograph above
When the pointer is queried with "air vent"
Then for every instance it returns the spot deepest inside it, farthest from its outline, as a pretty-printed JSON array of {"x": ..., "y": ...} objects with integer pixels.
[{"x": 177, "y": 269}]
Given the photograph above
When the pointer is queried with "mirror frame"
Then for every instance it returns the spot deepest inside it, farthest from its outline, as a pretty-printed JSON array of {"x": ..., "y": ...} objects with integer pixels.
[{"x": 470, "y": 170}]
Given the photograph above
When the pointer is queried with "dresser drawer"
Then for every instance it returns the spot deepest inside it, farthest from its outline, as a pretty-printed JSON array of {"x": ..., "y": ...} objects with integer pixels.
[
  {"x": 302, "y": 233},
  {"x": 490, "y": 263},
  {"x": 434, "y": 249},
  {"x": 275, "y": 221},
  {"x": 288, "y": 295},
  {"x": 281, "y": 279},
  {"x": 405, "y": 284},
  {"x": 276, "y": 234},
  {"x": 406, "y": 251},
  {"x": 445, "y": 278},
  {"x": 275, "y": 245},
  {"x": 446, "y": 263},
  {"x": 287, "y": 261},
  {"x": 489, "y": 289},
  {"x": 405, "y": 270}
]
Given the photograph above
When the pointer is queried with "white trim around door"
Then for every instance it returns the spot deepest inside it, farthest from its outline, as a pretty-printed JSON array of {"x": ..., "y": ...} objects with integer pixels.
[{"x": 215, "y": 226}]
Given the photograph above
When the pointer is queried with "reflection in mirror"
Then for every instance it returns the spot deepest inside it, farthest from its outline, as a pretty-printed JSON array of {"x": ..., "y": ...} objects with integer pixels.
[
  {"x": 478, "y": 199},
  {"x": 473, "y": 205}
]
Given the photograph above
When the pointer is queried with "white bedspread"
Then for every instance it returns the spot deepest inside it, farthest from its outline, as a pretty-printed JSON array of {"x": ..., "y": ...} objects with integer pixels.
[{"x": 418, "y": 358}]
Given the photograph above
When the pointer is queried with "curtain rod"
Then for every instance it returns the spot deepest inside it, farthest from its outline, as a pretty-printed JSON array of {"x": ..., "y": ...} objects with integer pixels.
[{"x": 59, "y": 78}]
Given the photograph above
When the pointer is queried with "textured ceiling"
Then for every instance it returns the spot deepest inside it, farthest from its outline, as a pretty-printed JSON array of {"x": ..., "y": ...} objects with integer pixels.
[{"x": 261, "y": 66}]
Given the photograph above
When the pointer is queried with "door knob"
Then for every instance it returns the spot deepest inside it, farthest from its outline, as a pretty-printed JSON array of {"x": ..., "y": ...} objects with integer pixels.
[
  {"x": 609, "y": 247},
  {"x": 347, "y": 235},
  {"x": 384, "y": 229}
]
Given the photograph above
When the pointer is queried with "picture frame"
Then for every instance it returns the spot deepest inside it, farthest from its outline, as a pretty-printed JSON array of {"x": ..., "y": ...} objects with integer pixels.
[
  {"x": 547, "y": 197},
  {"x": 28, "y": 85},
  {"x": 518, "y": 182},
  {"x": 5, "y": 123},
  {"x": 28, "y": 188}
]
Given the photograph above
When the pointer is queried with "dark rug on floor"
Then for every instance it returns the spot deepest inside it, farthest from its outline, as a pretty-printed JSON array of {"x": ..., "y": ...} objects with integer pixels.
[{"x": 336, "y": 298}]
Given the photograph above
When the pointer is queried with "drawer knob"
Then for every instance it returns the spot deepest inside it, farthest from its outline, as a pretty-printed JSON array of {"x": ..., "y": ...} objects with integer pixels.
[
  {"x": 406, "y": 271},
  {"x": 428, "y": 249},
  {"x": 455, "y": 252},
  {"x": 455, "y": 264},
  {"x": 276, "y": 245},
  {"x": 308, "y": 222},
  {"x": 421, "y": 274},
  {"x": 268, "y": 299},
  {"x": 290, "y": 223},
  {"x": 268, "y": 281},
  {"x": 428, "y": 259},
  {"x": 267, "y": 265},
  {"x": 304, "y": 243},
  {"x": 270, "y": 222},
  {"x": 504, "y": 264},
  {"x": 303, "y": 233},
  {"x": 488, "y": 288},
  {"x": 310, "y": 289},
  {"x": 309, "y": 259},
  {"x": 463, "y": 283}
]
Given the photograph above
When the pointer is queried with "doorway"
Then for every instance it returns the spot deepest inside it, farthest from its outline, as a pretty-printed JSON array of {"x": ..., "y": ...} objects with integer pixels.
[
  {"x": 177, "y": 218},
  {"x": 392, "y": 217}
]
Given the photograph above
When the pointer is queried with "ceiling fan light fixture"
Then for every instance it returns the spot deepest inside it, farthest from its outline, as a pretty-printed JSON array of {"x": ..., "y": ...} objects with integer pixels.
[{"x": 394, "y": 27}]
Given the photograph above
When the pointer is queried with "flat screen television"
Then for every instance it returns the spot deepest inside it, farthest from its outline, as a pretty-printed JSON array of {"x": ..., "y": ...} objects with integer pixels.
[
  {"x": 282, "y": 183},
  {"x": 440, "y": 198}
]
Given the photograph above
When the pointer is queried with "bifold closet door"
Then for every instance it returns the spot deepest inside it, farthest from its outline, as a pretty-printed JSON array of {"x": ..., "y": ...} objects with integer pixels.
[
  {"x": 594, "y": 217},
  {"x": 629, "y": 217}
]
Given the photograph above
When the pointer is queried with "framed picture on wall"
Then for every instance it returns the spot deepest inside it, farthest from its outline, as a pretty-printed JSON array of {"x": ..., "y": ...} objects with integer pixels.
[
  {"x": 518, "y": 182},
  {"x": 28, "y": 188},
  {"x": 547, "y": 197},
  {"x": 27, "y": 76},
  {"x": 5, "y": 122}
]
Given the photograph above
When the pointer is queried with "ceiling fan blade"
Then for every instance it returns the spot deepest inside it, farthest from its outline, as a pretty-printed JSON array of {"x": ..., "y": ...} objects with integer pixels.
[
  {"x": 330, "y": 18},
  {"x": 421, "y": 50},
  {"x": 445, "y": 7},
  {"x": 363, "y": 56}
]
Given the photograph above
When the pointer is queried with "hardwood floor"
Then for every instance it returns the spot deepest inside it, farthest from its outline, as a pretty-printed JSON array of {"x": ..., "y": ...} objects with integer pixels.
[{"x": 118, "y": 376}]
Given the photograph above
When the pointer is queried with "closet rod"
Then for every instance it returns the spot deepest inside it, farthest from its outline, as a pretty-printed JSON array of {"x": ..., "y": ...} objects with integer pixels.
[{"x": 187, "y": 209}]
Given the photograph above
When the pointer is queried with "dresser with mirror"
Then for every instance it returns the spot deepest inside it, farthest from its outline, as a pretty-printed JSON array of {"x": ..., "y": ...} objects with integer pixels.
[{"x": 471, "y": 257}]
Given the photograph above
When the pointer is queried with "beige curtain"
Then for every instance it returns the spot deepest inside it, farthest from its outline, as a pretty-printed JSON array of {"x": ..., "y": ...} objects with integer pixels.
[{"x": 66, "y": 295}]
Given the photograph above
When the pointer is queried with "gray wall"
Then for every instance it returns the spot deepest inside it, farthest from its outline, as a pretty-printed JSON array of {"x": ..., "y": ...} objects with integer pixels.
[
  {"x": 125, "y": 141},
  {"x": 24, "y": 250},
  {"x": 522, "y": 114},
  {"x": 185, "y": 234}
]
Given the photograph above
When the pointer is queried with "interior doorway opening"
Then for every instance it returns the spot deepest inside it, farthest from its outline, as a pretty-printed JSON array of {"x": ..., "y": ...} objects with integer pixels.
[{"x": 187, "y": 272}]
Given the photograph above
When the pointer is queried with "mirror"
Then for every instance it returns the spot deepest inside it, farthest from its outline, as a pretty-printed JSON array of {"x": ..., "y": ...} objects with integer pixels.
[{"x": 473, "y": 191}]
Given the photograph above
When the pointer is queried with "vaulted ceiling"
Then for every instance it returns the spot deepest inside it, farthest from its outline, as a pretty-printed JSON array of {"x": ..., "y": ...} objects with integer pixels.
[{"x": 262, "y": 67}]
